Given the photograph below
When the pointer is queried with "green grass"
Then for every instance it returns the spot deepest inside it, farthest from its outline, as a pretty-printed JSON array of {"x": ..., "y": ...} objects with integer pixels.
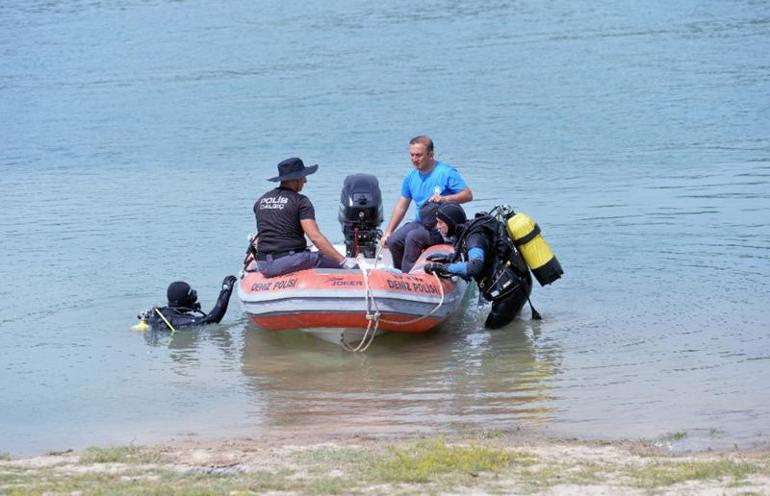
[
  {"x": 328, "y": 457},
  {"x": 121, "y": 454},
  {"x": 416, "y": 462},
  {"x": 659, "y": 474},
  {"x": 58, "y": 452},
  {"x": 426, "y": 460},
  {"x": 424, "y": 466},
  {"x": 539, "y": 477},
  {"x": 155, "y": 483},
  {"x": 328, "y": 485},
  {"x": 676, "y": 436}
]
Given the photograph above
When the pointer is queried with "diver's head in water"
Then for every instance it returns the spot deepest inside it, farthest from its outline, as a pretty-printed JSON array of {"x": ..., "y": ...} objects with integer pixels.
[{"x": 181, "y": 295}]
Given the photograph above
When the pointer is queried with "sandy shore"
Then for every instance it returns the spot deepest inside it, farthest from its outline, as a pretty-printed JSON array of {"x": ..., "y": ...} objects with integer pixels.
[{"x": 473, "y": 464}]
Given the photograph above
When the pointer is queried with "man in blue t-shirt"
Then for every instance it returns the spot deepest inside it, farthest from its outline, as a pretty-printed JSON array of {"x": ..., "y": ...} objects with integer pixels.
[{"x": 430, "y": 180}]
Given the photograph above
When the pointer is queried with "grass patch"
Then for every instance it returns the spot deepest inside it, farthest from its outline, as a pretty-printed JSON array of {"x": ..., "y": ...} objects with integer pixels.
[
  {"x": 428, "y": 459},
  {"x": 472, "y": 431},
  {"x": 426, "y": 466},
  {"x": 543, "y": 476},
  {"x": 656, "y": 475},
  {"x": 160, "y": 483},
  {"x": 121, "y": 454},
  {"x": 328, "y": 485},
  {"x": 59, "y": 452},
  {"x": 11, "y": 479},
  {"x": 329, "y": 457},
  {"x": 675, "y": 436}
]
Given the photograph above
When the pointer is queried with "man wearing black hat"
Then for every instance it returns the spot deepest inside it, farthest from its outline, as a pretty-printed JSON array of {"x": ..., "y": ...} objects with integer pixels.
[{"x": 284, "y": 218}]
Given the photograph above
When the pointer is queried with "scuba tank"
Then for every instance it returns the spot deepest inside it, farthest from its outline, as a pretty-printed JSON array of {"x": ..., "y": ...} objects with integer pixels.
[
  {"x": 142, "y": 325},
  {"x": 149, "y": 320},
  {"x": 525, "y": 234}
]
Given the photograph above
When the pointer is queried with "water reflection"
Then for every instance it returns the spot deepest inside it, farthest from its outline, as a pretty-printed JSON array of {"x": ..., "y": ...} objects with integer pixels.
[
  {"x": 456, "y": 377},
  {"x": 186, "y": 345}
]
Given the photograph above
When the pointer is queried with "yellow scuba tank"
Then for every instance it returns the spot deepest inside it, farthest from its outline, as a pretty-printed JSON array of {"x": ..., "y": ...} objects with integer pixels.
[
  {"x": 141, "y": 326},
  {"x": 533, "y": 248}
]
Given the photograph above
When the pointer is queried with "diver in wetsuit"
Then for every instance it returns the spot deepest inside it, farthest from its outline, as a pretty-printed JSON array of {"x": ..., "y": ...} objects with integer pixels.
[
  {"x": 498, "y": 269},
  {"x": 184, "y": 310}
]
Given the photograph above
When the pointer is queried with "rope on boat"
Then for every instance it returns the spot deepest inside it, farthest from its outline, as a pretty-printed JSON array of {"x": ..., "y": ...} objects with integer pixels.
[
  {"x": 374, "y": 318},
  {"x": 377, "y": 255}
]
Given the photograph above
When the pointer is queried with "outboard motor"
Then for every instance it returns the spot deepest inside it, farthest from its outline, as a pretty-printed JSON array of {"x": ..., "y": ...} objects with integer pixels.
[{"x": 361, "y": 214}]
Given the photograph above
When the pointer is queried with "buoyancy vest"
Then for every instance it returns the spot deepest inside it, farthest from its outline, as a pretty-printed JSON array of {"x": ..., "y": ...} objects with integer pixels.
[
  {"x": 504, "y": 269},
  {"x": 177, "y": 317}
]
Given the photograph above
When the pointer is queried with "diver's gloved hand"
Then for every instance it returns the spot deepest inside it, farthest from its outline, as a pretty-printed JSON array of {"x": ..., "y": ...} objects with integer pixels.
[
  {"x": 438, "y": 268},
  {"x": 439, "y": 257},
  {"x": 229, "y": 282},
  {"x": 349, "y": 263}
]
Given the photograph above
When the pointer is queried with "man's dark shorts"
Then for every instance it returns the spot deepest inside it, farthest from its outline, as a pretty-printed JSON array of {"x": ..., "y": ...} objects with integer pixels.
[
  {"x": 301, "y": 260},
  {"x": 409, "y": 241}
]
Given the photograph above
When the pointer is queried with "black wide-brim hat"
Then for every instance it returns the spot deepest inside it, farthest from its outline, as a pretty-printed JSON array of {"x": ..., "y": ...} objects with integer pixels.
[{"x": 293, "y": 168}]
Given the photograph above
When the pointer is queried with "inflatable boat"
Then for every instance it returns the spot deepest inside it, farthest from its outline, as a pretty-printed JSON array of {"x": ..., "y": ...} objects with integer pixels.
[
  {"x": 348, "y": 306},
  {"x": 352, "y": 306}
]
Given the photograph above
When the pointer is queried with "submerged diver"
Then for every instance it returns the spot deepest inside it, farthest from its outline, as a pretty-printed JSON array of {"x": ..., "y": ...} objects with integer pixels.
[
  {"x": 183, "y": 308},
  {"x": 490, "y": 259}
]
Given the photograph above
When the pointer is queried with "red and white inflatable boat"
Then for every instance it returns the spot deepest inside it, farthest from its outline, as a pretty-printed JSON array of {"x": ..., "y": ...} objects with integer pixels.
[{"x": 350, "y": 306}]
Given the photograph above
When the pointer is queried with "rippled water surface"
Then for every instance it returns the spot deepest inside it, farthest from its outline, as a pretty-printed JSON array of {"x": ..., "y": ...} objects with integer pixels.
[{"x": 135, "y": 136}]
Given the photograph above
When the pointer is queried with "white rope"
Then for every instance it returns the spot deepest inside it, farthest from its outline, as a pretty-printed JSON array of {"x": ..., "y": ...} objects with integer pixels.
[
  {"x": 373, "y": 319},
  {"x": 361, "y": 348},
  {"x": 377, "y": 254}
]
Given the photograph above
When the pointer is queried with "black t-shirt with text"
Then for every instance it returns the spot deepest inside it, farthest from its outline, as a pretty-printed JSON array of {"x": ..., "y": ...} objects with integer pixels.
[{"x": 278, "y": 214}]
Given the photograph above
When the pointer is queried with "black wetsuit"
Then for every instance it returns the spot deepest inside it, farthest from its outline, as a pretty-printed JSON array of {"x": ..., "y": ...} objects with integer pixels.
[
  {"x": 482, "y": 234},
  {"x": 186, "y": 317}
]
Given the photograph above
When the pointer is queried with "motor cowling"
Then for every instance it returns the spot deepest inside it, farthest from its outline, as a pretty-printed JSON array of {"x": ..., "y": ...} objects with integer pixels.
[
  {"x": 526, "y": 235},
  {"x": 361, "y": 214}
]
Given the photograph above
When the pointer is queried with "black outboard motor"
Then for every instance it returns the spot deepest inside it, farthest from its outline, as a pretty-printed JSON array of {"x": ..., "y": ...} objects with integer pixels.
[{"x": 361, "y": 214}]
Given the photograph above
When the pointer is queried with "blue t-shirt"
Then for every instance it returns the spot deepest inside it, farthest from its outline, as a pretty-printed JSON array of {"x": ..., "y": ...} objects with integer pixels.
[{"x": 442, "y": 180}]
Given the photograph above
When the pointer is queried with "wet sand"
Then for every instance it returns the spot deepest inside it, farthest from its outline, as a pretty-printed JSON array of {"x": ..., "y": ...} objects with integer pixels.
[{"x": 476, "y": 463}]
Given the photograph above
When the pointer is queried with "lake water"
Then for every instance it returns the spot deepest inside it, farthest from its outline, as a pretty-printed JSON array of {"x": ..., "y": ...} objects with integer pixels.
[{"x": 136, "y": 136}]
